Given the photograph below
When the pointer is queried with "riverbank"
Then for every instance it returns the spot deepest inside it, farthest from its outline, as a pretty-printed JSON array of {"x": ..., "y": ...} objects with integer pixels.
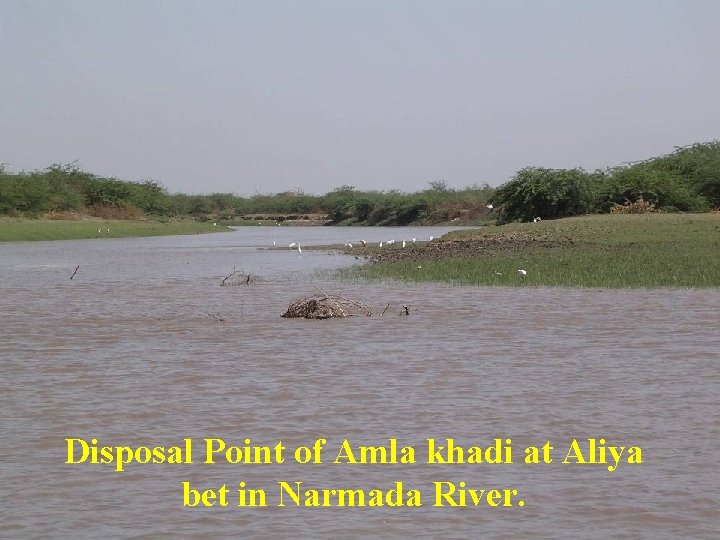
[
  {"x": 608, "y": 251},
  {"x": 44, "y": 229}
]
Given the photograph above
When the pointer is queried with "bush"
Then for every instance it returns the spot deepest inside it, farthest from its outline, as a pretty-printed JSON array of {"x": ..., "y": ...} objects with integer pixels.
[
  {"x": 666, "y": 189},
  {"x": 699, "y": 166},
  {"x": 546, "y": 193}
]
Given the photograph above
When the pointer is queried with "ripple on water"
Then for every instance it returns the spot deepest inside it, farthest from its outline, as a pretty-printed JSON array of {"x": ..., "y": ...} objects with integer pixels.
[{"x": 127, "y": 353}]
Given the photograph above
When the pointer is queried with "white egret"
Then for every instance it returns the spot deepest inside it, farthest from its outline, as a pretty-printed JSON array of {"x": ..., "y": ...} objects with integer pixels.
[
  {"x": 108, "y": 230},
  {"x": 215, "y": 224},
  {"x": 299, "y": 249},
  {"x": 99, "y": 231},
  {"x": 490, "y": 207},
  {"x": 536, "y": 220},
  {"x": 292, "y": 245},
  {"x": 363, "y": 242},
  {"x": 273, "y": 241},
  {"x": 380, "y": 244},
  {"x": 522, "y": 272},
  {"x": 431, "y": 239},
  {"x": 414, "y": 240},
  {"x": 403, "y": 244}
]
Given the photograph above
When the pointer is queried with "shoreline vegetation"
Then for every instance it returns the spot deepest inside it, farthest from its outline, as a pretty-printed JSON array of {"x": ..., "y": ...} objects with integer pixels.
[
  {"x": 687, "y": 180},
  {"x": 599, "y": 251},
  {"x": 649, "y": 223},
  {"x": 23, "y": 230}
]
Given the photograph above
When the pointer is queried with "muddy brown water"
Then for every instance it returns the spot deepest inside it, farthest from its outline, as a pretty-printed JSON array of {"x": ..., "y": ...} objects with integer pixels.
[{"x": 127, "y": 353}]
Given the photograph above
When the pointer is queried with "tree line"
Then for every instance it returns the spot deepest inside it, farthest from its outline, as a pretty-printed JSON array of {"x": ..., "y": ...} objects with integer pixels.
[
  {"x": 686, "y": 180},
  {"x": 66, "y": 188}
]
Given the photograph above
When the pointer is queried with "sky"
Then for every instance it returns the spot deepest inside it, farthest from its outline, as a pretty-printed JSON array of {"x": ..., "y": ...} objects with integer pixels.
[{"x": 270, "y": 96}]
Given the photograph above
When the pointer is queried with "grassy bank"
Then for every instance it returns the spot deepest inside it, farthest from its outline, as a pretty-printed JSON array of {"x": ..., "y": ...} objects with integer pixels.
[
  {"x": 38, "y": 229},
  {"x": 614, "y": 251}
]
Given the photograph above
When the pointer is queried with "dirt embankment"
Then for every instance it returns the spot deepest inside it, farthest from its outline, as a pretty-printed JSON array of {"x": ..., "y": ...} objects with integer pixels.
[
  {"x": 451, "y": 248},
  {"x": 289, "y": 219}
]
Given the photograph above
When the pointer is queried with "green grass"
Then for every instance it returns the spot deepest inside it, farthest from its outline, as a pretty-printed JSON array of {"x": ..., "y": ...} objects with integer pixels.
[
  {"x": 38, "y": 229},
  {"x": 609, "y": 251}
]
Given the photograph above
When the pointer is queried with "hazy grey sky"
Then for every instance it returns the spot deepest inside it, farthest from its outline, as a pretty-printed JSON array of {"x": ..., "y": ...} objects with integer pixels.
[{"x": 268, "y": 96}]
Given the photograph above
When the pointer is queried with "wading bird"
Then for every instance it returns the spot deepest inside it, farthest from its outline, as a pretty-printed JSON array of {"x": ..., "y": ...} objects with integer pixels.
[{"x": 522, "y": 272}]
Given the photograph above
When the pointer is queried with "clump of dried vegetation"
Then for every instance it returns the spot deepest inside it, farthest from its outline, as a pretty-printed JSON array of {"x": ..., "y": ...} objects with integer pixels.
[
  {"x": 326, "y": 306},
  {"x": 641, "y": 206}
]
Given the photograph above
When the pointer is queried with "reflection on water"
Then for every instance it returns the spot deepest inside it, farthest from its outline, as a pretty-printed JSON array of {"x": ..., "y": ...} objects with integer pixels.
[{"x": 126, "y": 353}]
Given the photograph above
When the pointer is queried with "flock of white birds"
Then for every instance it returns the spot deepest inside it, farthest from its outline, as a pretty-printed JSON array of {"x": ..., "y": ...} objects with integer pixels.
[
  {"x": 403, "y": 244},
  {"x": 349, "y": 245},
  {"x": 382, "y": 243}
]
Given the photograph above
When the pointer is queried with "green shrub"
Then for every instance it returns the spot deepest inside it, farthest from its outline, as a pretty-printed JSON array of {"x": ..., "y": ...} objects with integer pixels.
[
  {"x": 546, "y": 193},
  {"x": 666, "y": 189},
  {"x": 699, "y": 166}
]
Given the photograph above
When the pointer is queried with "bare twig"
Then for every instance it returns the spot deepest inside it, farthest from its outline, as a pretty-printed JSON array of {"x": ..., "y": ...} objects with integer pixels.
[
  {"x": 238, "y": 277},
  {"x": 333, "y": 301},
  {"x": 76, "y": 271},
  {"x": 222, "y": 283}
]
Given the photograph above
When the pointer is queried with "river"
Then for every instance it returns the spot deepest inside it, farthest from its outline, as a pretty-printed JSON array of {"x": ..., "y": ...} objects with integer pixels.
[{"x": 144, "y": 347}]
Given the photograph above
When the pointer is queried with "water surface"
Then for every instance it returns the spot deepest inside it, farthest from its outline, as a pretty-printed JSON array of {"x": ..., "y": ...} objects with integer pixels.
[{"x": 133, "y": 351}]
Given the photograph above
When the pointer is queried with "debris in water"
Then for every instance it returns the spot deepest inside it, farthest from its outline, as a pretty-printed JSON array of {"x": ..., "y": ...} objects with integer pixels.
[
  {"x": 238, "y": 277},
  {"x": 324, "y": 306}
]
